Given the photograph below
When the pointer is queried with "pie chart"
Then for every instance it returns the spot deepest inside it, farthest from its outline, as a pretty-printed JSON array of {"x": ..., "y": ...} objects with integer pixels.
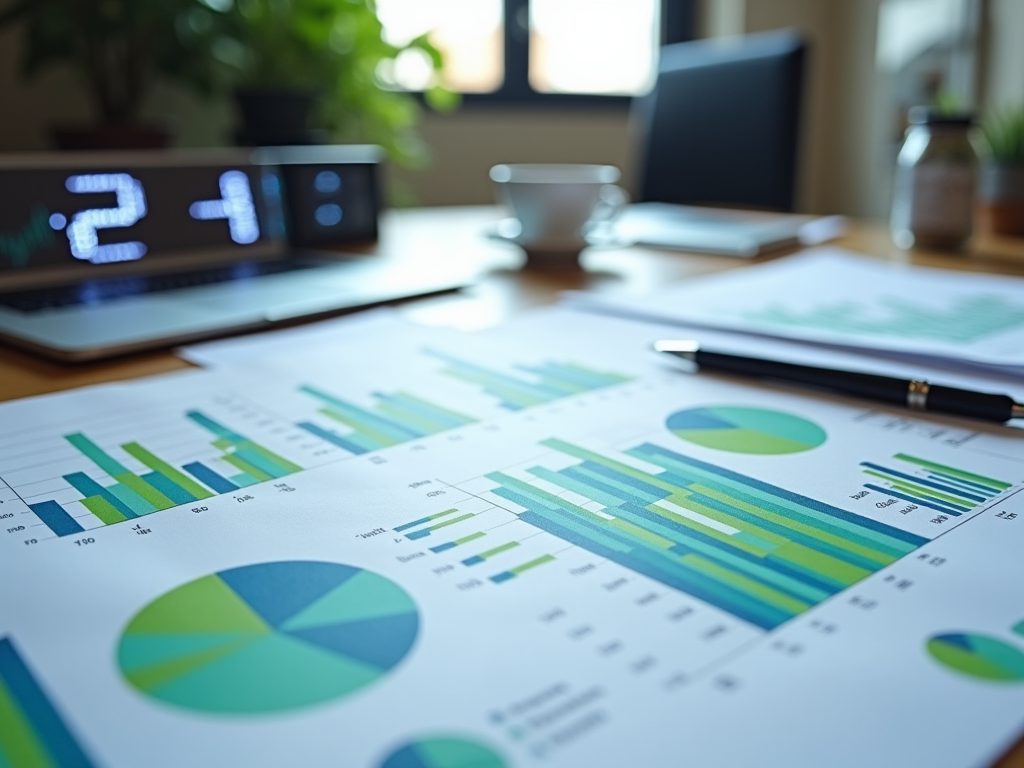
[
  {"x": 746, "y": 430},
  {"x": 443, "y": 753},
  {"x": 268, "y": 637},
  {"x": 978, "y": 656}
]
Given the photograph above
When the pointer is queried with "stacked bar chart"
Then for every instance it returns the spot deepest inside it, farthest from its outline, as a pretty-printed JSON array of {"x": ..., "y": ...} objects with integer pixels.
[
  {"x": 129, "y": 495},
  {"x": 397, "y": 418},
  {"x": 32, "y": 732},
  {"x": 758, "y": 551},
  {"x": 545, "y": 383},
  {"x": 944, "y": 489}
]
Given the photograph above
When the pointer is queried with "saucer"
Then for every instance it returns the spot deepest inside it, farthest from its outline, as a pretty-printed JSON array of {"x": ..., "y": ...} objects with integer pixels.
[{"x": 560, "y": 253}]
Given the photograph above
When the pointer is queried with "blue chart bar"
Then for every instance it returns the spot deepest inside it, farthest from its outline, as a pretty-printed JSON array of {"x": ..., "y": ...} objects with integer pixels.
[
  {"x": 204, "y": 474},
  {"x": 332, "y": 437},
  {"x": 32, "y": 732},
  {"x": 55, "y": 518}
]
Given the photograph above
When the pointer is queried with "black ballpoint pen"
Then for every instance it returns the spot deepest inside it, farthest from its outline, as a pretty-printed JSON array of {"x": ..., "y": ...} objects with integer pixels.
[{"x": 915, "y": 394}]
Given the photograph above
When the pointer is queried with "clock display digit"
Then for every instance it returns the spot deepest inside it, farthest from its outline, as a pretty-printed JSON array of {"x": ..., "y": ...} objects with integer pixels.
[
  {"x": 236, "y": 205},
  {"x": 83, "y": 229}
]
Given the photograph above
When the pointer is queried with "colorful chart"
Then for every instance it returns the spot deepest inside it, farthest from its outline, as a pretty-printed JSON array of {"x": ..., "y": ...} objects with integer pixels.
[
  {"x": 763, "y": 553},
  {"x": 746, "y": 430},
  {"x": 32, "y": 732},
  {"x": 443, "y": 753},
  {"x": 268, "y": 637},
  {"x": 978, "y": 656}
]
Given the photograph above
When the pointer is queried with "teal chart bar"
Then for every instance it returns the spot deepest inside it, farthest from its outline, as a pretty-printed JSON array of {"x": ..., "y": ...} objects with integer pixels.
[{"x": 760, "y": 552}]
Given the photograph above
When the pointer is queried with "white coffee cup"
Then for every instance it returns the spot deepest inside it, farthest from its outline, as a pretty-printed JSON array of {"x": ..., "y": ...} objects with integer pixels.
[{"x": 555, "y": 206}]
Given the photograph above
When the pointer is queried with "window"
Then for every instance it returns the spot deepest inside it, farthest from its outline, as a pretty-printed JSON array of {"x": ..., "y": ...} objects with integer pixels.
[{"x": 537, "y": 50}]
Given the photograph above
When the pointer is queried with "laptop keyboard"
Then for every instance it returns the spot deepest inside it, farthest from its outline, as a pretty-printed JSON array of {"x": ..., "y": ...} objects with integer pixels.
[{"x": 108, "y": 289}]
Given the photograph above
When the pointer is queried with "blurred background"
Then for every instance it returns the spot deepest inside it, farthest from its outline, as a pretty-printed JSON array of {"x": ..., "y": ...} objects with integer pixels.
[{"x": 495, "y": 81}]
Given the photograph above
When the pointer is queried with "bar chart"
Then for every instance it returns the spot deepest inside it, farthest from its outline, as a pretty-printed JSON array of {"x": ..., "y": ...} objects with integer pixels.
[
  {"x": 755, "y": 550},
  {"x": 396, "y": 418},
  {"x": 543, "y": 383},
  {"x": 942, "y": 488},
  {"x": 110, "y": 492},
  {"x": 32, "y": 731},
  {"x": 385, "y": 419}
]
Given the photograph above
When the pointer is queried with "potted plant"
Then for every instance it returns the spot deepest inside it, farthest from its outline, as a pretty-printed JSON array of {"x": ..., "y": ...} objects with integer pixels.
[
  {"x": 1002, "y": 174},
  {"x": 118, "y": 48},
  {"x": 294, "y": 63}
]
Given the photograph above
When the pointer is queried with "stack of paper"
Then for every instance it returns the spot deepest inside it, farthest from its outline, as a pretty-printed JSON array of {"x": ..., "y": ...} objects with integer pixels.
[{"x": 838, "y": 298}]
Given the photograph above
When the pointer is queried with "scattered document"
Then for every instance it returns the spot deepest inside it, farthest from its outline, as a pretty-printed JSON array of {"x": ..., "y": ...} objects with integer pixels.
[
  {"x": 325, "y": 335},
  {"x": 830, "y": 296},
  {"x": 541, "y": 545}
]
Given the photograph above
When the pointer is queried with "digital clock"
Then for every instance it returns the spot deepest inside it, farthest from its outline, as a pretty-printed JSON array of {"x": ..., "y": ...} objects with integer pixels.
[{"x": 62, "y": 215}]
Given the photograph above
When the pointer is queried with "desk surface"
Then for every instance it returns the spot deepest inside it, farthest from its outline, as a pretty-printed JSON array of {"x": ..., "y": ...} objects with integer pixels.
[{"x": 505, "y": 290}]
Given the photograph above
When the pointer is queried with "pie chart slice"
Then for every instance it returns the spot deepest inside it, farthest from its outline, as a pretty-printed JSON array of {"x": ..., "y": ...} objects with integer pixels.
[
  {"x": 268, "y": 637},
  {"x": 440, "y": 752},
  {"x": 979, "y": 656},
  {"x": 746, "y": 430}
]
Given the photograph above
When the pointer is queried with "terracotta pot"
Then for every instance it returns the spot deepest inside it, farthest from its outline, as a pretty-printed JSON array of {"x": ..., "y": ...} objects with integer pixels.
[
  {"x": 112, "y": 136},
  {"x": 1001, "y": 199}
]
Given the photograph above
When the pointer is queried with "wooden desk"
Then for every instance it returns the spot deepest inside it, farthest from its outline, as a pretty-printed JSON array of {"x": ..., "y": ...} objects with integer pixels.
[{"x": 422, "y": 235}]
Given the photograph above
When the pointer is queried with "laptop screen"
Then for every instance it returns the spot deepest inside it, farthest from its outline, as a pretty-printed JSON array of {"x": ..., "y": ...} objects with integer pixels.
[{"x": 92, "y": 216}]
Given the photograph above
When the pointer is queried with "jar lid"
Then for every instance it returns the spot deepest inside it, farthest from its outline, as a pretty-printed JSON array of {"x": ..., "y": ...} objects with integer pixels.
[{"x": 931, "y": 116}]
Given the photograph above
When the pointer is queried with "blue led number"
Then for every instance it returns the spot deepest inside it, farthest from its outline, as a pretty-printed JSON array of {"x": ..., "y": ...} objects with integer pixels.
[
  {"x": 235, "y": 205},
  {"x": 83, "y": 230}
]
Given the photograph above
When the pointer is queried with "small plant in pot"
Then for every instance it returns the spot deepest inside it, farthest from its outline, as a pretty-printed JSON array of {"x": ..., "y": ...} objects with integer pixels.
[
  {"x": 1002, "y": 174},
  {"x": 301, "y": 63},
  {"x": 118, "y": 48}
]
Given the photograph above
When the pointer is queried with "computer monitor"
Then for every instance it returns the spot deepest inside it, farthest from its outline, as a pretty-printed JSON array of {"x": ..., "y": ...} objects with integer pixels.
[{"x": 723, "y": 122}]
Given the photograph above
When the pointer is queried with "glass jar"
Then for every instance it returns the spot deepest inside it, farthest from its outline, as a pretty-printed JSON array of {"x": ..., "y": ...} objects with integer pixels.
[{"x": 936, "y": 175}]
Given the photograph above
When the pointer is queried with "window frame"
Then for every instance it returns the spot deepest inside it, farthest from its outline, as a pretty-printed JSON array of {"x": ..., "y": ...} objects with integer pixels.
[{"x": 678, "y": 24}]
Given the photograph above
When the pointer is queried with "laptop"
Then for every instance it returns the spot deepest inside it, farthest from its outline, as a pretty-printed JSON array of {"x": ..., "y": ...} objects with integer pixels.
[{"x": 107, "y": 253}]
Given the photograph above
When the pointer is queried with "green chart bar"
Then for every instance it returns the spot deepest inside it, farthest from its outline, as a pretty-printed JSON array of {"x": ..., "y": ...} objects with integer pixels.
[
  {"x": 512, "y": 573},
  {"x": 32, "y": 732},
  {"x": 758, "y": 551},
  {"x": 493, "y": 552}
]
